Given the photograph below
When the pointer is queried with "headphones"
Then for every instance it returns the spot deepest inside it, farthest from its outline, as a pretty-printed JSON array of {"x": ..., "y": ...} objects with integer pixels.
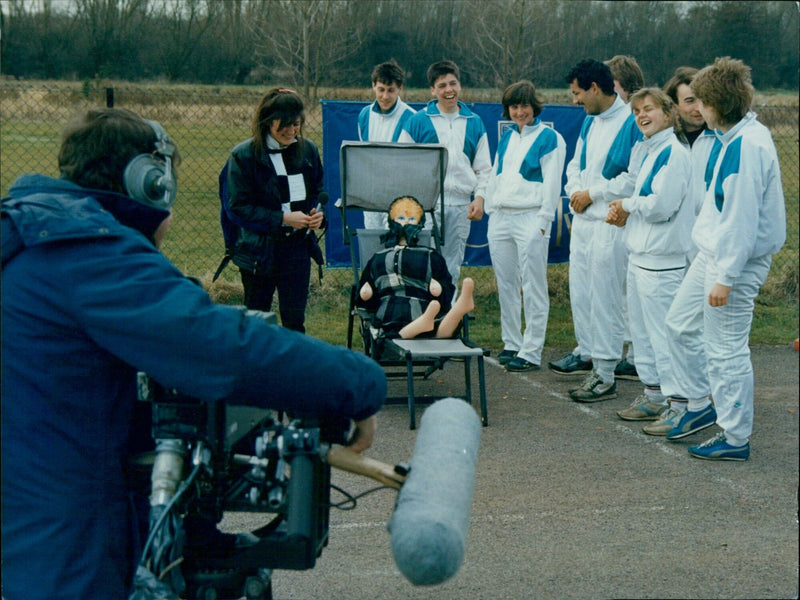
[{"x": 149, "y": 178}]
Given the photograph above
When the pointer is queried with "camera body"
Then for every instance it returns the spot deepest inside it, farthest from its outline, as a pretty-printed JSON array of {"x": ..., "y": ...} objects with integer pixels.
[{"x": 219, "y": 458}]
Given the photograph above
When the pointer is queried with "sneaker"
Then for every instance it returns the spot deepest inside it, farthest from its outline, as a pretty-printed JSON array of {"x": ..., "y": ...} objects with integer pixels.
[
  {"x": 520, "y": 364},
  {"x": 718, "y": 448},
  {"x": 594, "y": 390},
  {"x": 505, "y": 356},
  {"x": 626, "y": 370},
  {"x": 642, "y": 410},
  {"x": 570, "y": 364},
  {"x": 692, "y": 422},
  {"x": 666, "y": 422}
]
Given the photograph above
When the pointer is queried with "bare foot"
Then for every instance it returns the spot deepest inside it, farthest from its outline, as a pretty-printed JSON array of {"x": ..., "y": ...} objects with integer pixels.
[{"x": 423, "y": 323}]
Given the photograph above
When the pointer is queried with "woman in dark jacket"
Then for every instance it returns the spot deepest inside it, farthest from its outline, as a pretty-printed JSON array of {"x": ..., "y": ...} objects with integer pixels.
[{"x": 274, "y": 179}]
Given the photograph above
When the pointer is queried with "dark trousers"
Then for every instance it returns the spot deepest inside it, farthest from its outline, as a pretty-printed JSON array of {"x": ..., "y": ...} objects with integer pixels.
[{"x": 290, "y": 278}]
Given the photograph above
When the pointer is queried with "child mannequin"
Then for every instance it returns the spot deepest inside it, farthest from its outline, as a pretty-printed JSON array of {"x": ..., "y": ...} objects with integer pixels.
[{"x": 412, "y": 282}]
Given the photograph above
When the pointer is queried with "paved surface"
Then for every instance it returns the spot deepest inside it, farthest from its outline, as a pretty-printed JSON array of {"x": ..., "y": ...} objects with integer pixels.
[{"x": 572, "y": 502}]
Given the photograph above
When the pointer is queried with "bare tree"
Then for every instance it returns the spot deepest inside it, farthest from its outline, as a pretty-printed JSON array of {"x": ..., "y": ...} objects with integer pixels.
[
  {"x": 305, "y": 39},
  {"x": 183, "y": 26},
  {"x": 506, "y": 39},
  {"x": 112, "y": 28}
]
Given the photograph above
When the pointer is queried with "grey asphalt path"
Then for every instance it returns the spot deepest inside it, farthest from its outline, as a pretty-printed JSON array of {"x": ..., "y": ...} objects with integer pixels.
[{"x": 572, "y": 502}]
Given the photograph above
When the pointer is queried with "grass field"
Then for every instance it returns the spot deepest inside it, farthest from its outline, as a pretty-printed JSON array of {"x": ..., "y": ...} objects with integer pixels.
[{"x": 207, "y": 123}]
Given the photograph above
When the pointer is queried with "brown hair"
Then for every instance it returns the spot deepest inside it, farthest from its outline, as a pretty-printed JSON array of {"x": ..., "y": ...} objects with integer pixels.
[
  {"x": 682, "y": 76},
  {"x": 278, "y": 104},
  {"x": 521, "y": 92},
  {"x": 626, "y": 70},
  {"x": 660, "y": 97},
  {"x": 726, "y": 87},
  {"x": 443, "y": 67},
  {"x": 98, "y": 144}
]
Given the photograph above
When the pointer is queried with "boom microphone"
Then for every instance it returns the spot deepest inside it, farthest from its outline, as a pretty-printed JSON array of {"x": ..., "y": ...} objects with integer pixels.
[{"x": 429, "y": 524}]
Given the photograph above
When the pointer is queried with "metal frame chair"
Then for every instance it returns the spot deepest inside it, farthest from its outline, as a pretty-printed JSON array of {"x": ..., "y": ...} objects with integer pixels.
[{"x": 372, "y": 175}]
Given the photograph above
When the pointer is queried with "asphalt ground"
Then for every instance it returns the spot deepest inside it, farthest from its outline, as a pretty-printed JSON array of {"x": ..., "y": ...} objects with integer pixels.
[{"x": 572, "y": 502}]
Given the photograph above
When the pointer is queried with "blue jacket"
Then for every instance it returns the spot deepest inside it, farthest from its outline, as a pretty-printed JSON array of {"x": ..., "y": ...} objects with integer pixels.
[{"x": 87, "y": 301}]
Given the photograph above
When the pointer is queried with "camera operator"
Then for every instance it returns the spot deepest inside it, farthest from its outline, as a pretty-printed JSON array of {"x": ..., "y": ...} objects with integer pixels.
[{"x": 88, "y": 300}]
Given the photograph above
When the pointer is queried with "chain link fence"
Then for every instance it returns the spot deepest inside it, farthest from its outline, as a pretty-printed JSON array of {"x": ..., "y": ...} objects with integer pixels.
[{"x": 206, "y": 122}]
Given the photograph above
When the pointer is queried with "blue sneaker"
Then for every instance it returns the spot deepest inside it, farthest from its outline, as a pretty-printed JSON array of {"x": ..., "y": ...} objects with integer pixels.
[
  {"x": 570, "y": 364},
  {"x": 692, "y": 422},
  {"x": 718, "y": 448}
]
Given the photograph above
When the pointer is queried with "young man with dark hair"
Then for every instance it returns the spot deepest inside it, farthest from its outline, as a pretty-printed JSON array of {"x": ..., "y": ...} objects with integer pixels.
[
  {"x": 597, "y": 174},
  {"x": 447, "y": 121},
  {"x": 88, "y": 301},
  {"x": 383, "y": 119},
  {"x": 741, "y": 224}
]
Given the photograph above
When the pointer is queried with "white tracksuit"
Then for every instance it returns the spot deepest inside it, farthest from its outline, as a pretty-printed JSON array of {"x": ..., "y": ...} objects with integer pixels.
[
  {"x": 375, "y": 126},
  {"x": 598, "y": 257},
  {"x": 658, "y": 237},
  {"x": 521, "y": 200},
  {"x": 741, "y": 225},
  {"x": 687, "y": 355},
  {"x": 469, "y": 166}
]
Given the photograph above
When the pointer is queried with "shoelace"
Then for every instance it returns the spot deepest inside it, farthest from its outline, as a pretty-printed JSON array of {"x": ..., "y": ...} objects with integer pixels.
[
  {"x": 668, "y": 414},
  {"x": 593, "y": 380},
  {"x": 720, "y": 437},
  {"x": 639, "y": 400}
]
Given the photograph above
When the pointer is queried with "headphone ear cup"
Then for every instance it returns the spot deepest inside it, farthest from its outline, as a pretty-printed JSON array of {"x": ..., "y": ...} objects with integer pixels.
[{"x": 149, "y": 181}]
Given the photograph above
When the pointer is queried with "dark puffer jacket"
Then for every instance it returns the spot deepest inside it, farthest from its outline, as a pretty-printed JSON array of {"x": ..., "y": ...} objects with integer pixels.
[{"x": 87, "y": 302}]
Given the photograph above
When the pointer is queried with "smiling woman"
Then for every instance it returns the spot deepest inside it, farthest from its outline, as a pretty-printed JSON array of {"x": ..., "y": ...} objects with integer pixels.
[{"x": 274, "y": 179}]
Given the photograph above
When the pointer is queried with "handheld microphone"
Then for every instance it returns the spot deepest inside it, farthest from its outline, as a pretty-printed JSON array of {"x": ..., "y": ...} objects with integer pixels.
[
  {"x": 429, "y": 525},
  {"x": 322, "y": 200}
]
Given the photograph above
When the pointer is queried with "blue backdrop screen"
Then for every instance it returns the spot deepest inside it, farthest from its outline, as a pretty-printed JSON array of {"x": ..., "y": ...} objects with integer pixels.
[{"x": 340, "y": 122}]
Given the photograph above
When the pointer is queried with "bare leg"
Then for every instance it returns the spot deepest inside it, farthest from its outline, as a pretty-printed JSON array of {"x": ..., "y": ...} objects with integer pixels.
[
  {"x": 423, "y": 323},
  {"x": 463, "y": 304},
  {"x": 435, "y": 288}
]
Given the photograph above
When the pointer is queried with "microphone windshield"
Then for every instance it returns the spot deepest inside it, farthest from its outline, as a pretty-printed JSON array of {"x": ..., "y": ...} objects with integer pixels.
[{"x": 429, "y": 524}]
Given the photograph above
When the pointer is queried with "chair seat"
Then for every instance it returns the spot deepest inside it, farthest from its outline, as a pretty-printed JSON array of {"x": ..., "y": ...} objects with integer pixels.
[{"x": 437, "y": 347}]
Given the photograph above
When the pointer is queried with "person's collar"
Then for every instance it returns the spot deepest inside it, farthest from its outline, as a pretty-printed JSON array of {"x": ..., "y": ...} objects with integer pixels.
[
  {"x": 734, "y": 131},
  {"x": 376, "y": 108},
  {"x": 612, "y": 110},
  {"x": 274, "y": 146}
]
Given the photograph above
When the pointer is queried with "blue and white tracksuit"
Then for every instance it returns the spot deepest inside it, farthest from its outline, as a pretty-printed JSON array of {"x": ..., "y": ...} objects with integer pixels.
[
  {"x": 521, "y": 199},
  {"x": 741, "y": 225},
  {"x": 597, "y": 254},
  {"x": 687, "y": 355},
  {"x": 658, "y": 237},
  {"x": 469, "y": 166},
  {"x": 700, "y": 151},
  {"x": 375, "y": 126}
]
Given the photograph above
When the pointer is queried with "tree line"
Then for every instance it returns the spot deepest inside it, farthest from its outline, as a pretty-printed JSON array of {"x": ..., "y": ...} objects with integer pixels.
[{"x": 335, "y": 43}]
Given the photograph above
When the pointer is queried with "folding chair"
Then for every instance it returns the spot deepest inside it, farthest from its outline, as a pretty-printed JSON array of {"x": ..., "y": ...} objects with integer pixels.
[{"x": 372, "y": 175}]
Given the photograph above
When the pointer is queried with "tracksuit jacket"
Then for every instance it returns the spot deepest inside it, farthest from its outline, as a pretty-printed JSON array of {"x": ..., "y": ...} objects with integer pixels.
[
  {"x": 609, "y": 139},
  {"x": 469, "y": 164},
  {"x": 658, "y": 230},
  {"x": 524, "y": 162},
  {"x": 743, "y": 214},
  {"x": 375, "y": 126},
  {"x": 87, "y": 302}
]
